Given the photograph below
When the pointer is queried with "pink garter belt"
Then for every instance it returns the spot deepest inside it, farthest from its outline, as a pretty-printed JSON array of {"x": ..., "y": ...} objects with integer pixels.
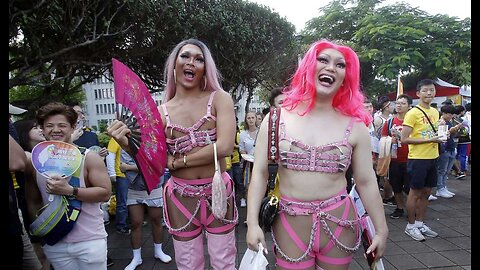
[
  {"x": 318, "y": 209},
  {"x": 201, "y": 189}
]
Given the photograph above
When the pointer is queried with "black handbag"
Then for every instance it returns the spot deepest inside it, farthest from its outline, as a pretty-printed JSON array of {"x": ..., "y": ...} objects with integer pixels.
[{"x": 270, "y": 204}]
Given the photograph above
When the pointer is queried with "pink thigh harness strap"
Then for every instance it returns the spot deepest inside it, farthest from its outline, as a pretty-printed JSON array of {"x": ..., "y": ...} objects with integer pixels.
[
  {"x": 201, "y": 189},
  {"x": 319, "y": 210}
]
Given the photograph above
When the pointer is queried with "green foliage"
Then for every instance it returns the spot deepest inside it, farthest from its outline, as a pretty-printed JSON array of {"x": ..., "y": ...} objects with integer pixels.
[
  {"x": 397, "y": 39},
  {"x": 102, "y": 126},
  {"x": 32, "y": 97},
  {"x": 250, "y": 44},
  {"x": 56, "y": 46},
  {"x": 103, "y": 138}
]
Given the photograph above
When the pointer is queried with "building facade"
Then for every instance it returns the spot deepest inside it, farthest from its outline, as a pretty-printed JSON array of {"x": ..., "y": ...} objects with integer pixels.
[{"x": 100, "y": 105}]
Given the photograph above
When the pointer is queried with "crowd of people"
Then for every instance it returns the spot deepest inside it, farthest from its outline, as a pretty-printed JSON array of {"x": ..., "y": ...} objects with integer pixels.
[
  {"x": 316, "y": 170},
  {"x": 421, "y": 157}
]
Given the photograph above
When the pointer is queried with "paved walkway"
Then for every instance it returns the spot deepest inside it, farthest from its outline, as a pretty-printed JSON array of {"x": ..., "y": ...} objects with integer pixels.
[{"x": 451, "y": 218}]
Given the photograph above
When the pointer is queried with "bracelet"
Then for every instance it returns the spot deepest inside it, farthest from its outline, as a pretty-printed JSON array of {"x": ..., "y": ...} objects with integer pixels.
[
  {"x": 74, "y": 194},
  {"x": 173, "y": 164},
  {"x": 185, "y": 161}
]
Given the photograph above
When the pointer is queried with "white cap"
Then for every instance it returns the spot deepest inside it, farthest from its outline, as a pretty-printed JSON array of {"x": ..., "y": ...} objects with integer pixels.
[{"x": 15, "y": 110}]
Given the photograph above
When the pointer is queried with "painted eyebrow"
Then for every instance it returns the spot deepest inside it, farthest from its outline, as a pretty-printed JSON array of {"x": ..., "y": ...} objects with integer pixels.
[
  {"x": 330, "y": 57},
  {"x": 191, "y": 53}
]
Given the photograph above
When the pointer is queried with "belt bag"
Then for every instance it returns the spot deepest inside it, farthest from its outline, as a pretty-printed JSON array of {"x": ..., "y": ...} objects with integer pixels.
[{"x": 57, "y": 218}]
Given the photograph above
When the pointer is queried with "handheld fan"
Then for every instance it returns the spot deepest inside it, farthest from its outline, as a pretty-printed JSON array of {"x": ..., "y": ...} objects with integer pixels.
[
  {"x": 140, "y": 114},
  {"x": 56, "y": 158}
]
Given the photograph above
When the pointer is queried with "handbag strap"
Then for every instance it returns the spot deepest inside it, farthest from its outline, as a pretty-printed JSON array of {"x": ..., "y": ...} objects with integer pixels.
[
  {"x": 433, "y": 127},
  {"x": 272, "y": 146},
  {"x": 273, "y": 123},
  {"x": 215, "y": 156}
]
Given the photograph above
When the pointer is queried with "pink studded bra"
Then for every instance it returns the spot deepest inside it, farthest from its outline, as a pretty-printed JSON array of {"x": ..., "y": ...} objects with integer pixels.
[
  {"x": 193, "y": 137},
  {"x": 328, "y": 158}
]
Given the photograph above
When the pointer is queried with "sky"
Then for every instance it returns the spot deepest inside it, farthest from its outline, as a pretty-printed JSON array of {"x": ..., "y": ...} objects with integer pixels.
[{"x": 299, "y": 12}]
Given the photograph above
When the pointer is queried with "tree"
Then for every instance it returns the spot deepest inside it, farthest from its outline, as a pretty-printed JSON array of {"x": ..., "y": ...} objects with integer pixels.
[
  {"x": 54, "y": 41},
  {"x": 56, "y": 46},
  {"x": 36, "y": 99},
  {"x": 397, "y": 39},
  {"x": 248, "y": 42},
  {"x": 103, "y": 139},
  {"x": 102, "y": 125}
]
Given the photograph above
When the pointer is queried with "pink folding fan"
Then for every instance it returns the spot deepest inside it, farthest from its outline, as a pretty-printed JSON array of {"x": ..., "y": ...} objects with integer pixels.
[{"x": 140, "y": 114}]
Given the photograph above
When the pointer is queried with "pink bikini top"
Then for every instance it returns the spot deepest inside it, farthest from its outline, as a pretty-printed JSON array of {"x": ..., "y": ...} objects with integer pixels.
[
  {"x": 193, "y": 137},
  {"x": 328, "y": 158}
]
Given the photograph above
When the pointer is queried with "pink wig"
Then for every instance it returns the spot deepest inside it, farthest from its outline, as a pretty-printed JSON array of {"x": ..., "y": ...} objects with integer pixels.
[
  {"x": 348, "y": 99},
  {"x": 212, "y": 75}
]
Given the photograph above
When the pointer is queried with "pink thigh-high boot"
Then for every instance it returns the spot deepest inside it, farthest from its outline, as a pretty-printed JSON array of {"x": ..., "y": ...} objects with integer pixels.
[
  {"x": 189, "y": 254},
  {"x": 222, "y": 250}
]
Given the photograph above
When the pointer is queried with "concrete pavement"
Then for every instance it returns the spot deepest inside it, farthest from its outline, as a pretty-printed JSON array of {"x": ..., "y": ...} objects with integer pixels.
[{"x": 451, "y": 218}]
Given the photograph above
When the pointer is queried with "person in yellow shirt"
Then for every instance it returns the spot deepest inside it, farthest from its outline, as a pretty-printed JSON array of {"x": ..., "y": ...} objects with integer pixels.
[
  {"x": 419, "y": 131},
  {"x": 236, "y": 170},
  {"x": 121, "y": 186}
]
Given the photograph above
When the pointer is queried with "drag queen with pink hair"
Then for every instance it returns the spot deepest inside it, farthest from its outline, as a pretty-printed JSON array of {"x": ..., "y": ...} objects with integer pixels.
[{"x": 322, "y": 130}]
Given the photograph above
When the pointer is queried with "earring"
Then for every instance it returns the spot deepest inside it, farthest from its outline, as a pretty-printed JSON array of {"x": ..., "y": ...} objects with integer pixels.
[
  {"x": 205, "y": 85},
  {"x": 175, "y": 76}
]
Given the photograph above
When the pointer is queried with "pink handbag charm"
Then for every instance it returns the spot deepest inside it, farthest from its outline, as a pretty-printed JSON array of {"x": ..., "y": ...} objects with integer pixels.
[{"x": 219, "y": 190}]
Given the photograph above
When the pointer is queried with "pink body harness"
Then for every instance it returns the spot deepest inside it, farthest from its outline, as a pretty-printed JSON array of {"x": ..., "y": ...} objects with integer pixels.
[
  {"x": 193, "y": 137},
  {"x": 201, "y": 189},
  {"x": 196, "y": 188},
  {"x": 319, "y": 210},
  {"x": 316, "y": 159}
]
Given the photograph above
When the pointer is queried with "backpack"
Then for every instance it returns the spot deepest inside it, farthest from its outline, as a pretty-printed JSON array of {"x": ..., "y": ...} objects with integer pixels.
[
  {"x": 384, "y": 156},
  {"x": 389, "y": 124},
  {"x": 384, "y": 153},
  {"x": 378, "y": 132}
]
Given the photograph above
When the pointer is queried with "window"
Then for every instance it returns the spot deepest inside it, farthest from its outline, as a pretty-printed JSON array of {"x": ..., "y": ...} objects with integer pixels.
[
  {"x": 97, "y": 109},
  {"x": 96, "y": 94}
]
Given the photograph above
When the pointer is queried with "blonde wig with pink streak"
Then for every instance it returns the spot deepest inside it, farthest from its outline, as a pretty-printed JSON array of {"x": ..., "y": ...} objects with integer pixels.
[
  {"x": 212, "y": 76},
  {"x": 348, "y": 99}
]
